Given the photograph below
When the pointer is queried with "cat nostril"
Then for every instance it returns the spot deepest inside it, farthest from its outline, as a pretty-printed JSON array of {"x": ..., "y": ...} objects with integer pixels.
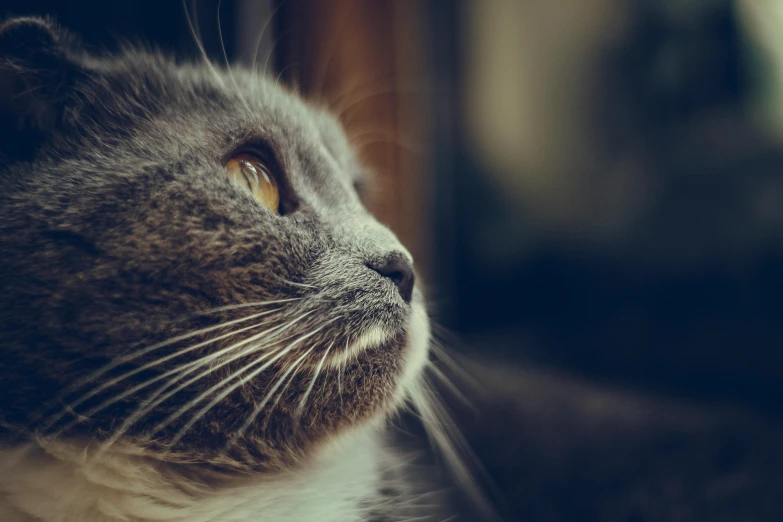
[{"x": 400, "y": 271}]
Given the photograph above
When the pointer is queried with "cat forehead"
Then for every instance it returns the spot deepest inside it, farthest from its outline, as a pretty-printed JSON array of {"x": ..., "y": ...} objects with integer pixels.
[
  {"x": 237, "y": 93},
  {"x": 229, "y": 106}
]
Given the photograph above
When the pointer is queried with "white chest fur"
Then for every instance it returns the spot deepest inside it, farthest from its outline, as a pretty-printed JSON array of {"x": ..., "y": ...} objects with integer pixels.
[{"x": 55, "y": 483}]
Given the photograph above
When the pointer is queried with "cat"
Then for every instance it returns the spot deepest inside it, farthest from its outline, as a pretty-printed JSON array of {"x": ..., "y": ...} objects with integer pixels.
[{"x": 199, "y": 319}]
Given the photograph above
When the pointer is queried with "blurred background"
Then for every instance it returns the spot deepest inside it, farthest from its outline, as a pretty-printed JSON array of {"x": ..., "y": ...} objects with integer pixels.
[{"x": 593, "y": 192}]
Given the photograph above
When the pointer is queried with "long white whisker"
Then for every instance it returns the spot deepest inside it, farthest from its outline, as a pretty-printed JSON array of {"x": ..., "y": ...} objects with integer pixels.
[
  {"x": 130, "y": 373},
  {"x": 135, "y": 355},
  {"x": 274, "y": 355},
  {"x": 151, "y": 404},
  {"x": 155, "y": 399},
  {"x": 222, "y": 395},
  {"x": 383, "y": 132},
  {"x": 243, "y": 305},
  {"x": 111, "y": 400},
  {"x": 450, "y": 385},
  {"x": 312, "y": 381},
  {"x": 261, "y": 405},
  {"x": 444, "y": 434},
  {"x": 337, "y": 103},
  {"x": 442, "y": 354},
  {"x": 200, "y": 45},
  {"x": 190, "y": 367},
  {"x": 272, "y": 50},
  {"x": 228, "y": 65},
  {"x": 179, "y": 353},
  {"x": 280, "y": 74},
  {"x": 286, "y": 281},
  {"x": 341, "y": 372},
  {"x": 364, "y": 138},
  {"x": 254, "y": 63},
  {"x": 379, "y": 92}
]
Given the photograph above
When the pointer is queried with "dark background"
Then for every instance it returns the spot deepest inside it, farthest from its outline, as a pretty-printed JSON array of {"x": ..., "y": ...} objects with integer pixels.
[{"x": 592, "y": 189}]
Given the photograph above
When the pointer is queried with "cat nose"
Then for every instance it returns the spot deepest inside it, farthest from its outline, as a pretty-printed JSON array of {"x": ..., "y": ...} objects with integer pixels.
[{"x": 399, "y": 269}]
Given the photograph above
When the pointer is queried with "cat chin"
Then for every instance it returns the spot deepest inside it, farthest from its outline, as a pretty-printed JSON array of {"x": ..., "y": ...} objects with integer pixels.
[{"x": 400, "y": 356}]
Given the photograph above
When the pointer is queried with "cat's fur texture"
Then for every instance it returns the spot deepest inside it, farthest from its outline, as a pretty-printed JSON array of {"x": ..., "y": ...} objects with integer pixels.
[{"x": 125, "y": 249}]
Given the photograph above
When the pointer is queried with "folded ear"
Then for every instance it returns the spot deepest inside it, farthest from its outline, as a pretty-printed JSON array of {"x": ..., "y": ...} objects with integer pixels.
[{"x": 38, "y": 70}]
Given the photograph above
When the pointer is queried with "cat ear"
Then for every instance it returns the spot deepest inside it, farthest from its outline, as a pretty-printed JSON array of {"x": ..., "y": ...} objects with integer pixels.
[{"x": 38, "y": 69}]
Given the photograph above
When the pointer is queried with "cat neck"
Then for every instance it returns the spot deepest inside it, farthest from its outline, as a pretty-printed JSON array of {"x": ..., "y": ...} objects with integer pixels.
[{"x": 55, "y": 482}]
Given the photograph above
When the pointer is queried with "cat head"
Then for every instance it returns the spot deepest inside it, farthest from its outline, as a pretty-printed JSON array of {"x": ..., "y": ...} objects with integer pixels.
[{"x": 185, "y": 263}]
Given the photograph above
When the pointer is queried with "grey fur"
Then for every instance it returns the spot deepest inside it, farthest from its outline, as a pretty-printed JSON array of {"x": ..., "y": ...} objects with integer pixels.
[{"x": 119, "y": 227}]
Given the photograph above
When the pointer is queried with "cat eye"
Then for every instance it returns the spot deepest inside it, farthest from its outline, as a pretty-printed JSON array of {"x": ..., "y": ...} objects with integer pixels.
[{"x": 251, "y": 173}]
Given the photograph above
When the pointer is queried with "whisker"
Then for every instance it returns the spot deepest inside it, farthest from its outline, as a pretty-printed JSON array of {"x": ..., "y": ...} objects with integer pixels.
[
  {"x": 242, "y": 305},
  {"x": 352, "y": 86},
  {"x": 380, "y": 77},
  {"x": 343, "y": 109},
  {"x": 312, "y": 381},
  {"x": 280, "y": 74},
  {"x": 228, "y": 65},
  {"x": 197, "y": 39},
  {"x": 149, "y": 365},
  {"x": 343, "y": 364},
  {"x": 209, "y": 358},
  {"x": 155, "y": 399},
  {"x": 188, "y": 368},
  {"x": 451, "y": 386},
  {"x": 274, "y": 355},
  {"x": 303, "y": 285},
  {"x": 70, "y": 407},
  {"x": 450, "y": 443},
  {"x": 222, "y": 395},
  {"x": 439, "y": 350},
  {"x": 269, "y": 19},
  {"x": 261, "y": 405},
  {"x": 271, "y": 52},
  {"x": 144, "y": 351},
  {"x": 379, "y": 80}
]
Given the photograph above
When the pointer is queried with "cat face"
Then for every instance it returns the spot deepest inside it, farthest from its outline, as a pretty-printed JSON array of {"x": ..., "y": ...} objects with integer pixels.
[{"x": 149, "y": 298}]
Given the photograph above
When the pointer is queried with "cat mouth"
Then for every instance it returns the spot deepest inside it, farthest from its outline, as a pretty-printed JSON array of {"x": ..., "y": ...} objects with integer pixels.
[
  {"x": 410, "y": 341},
  {"x": 376, "y": 336}
]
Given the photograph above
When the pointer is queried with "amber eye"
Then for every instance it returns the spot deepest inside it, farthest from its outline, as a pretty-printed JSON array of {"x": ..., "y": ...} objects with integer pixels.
[{"x": 250, "y": 172}]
